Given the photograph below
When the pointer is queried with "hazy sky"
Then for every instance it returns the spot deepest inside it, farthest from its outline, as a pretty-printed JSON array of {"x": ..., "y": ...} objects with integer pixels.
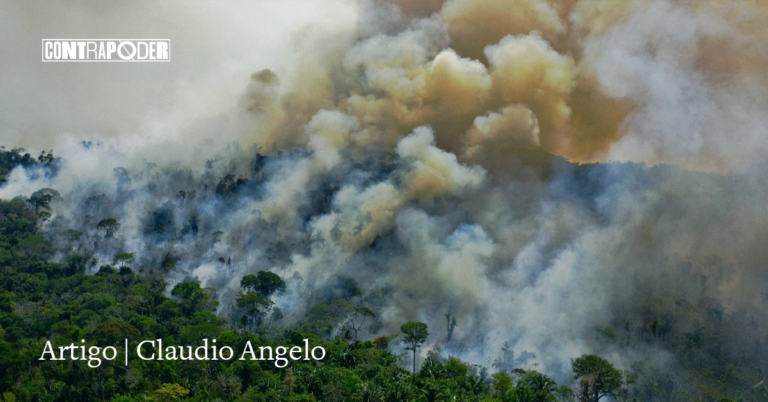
[
  {"x": 657, "y": 81},
  {"x": 215, "y": 46}
]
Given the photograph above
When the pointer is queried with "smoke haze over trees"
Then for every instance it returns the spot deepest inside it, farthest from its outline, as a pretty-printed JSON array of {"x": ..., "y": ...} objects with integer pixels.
[{"x": 535, "y": 181}]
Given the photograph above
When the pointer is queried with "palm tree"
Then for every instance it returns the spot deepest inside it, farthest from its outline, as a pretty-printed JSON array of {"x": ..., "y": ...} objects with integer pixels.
[
  {"x": 475, "y": 384},
  {"x": 370, "y": 392},
  {"x": 542, "y": 386},
  {"x": 431, "y": 393}
]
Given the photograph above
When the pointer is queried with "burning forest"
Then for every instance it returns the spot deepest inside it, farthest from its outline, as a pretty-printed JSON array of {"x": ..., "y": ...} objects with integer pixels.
[{"x": 539, "y": 183}]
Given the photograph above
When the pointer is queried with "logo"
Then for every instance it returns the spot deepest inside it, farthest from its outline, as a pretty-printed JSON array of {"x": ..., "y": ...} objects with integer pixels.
[{"x": 126, "y": 50}]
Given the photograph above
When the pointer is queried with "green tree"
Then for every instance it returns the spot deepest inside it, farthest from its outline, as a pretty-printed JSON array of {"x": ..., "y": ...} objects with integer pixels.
[
  {"x": 598, "y": 378},
  {"x": 193, "y": 298},
  {"x": 264, "y": 283},
  {"x": 41, "y": 200},
  {"x": 564, "y": 394},
  {"x": 415, "y": 334},
  {"x": 502, "y": 385},
  {"x": 542, "y": 386},
  {"x": 168, "y": 393},
  {"x": 109, "y": 226},
  {"x": 254, "y": 305},
  {"x": 123, "y": 259}
]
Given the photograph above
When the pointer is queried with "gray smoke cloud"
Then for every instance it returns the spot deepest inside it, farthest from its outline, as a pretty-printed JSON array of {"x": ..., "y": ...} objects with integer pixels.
[{"x": 413, "y": 151}]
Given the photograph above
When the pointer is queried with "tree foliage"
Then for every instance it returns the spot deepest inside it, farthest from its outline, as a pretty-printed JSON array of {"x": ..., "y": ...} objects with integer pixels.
[
  {"x": 598, "y": 378},
  {"x": 264, "y": 283},
  {"x": 123, "y": 259},
  {"x": 42, "y": 298},
  {"x": 109, "y": 225},
  {"x": 415, "y": 333}
]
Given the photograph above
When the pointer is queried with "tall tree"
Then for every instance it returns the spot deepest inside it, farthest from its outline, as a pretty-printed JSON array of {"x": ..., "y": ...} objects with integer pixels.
[
  {"x": 502, "y": 385},
  {"x": 254, "y": 305},
  {"x": 41, "y": 199},
  {"x": 109, "y": 225},
  {"x": 264, "y": 283},
  {"x": 123, "y": 259},
  {"x": 254, "y": 298},
  {"x": 415, "y": 334},
  {"x": 357, "y": 318}
]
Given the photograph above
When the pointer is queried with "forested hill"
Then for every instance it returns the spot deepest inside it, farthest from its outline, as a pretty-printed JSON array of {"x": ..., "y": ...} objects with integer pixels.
[
  {"x": 57, "y": 301},
  {"x": 47, "y": 295}
]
